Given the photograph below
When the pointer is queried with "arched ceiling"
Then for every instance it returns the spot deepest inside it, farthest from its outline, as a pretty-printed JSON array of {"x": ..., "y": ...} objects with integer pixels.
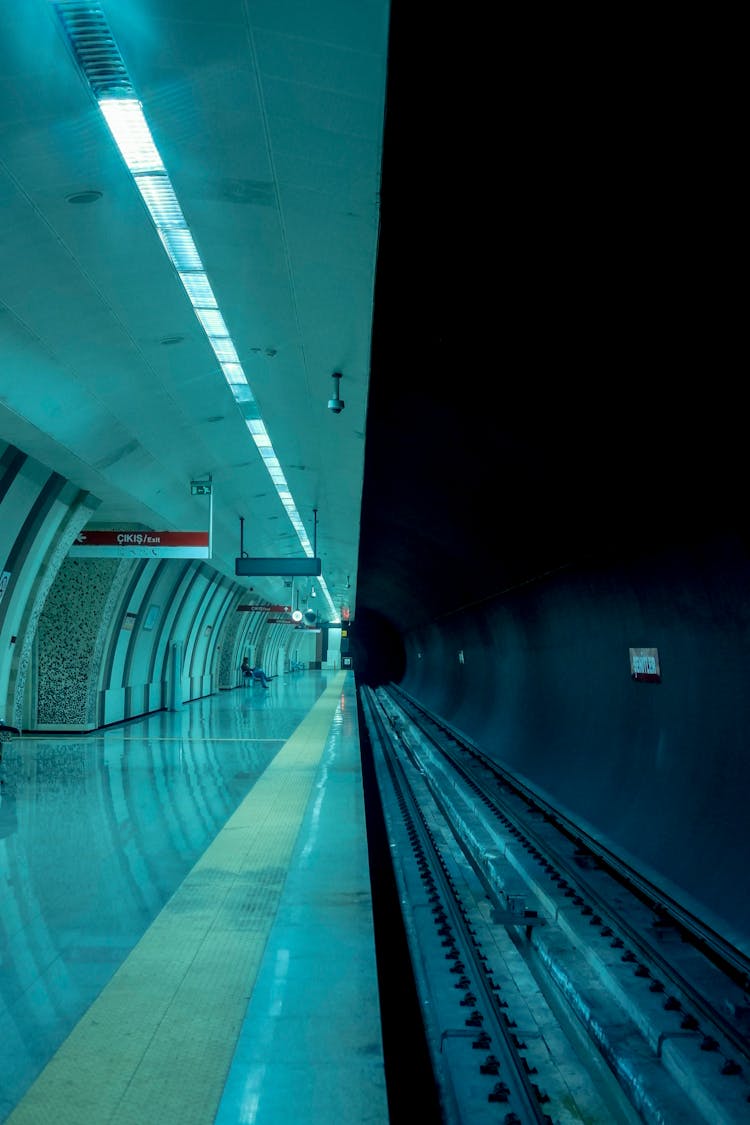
[
  {"x": 268, "y": 118},
  {"x": 515, "y": 243}
]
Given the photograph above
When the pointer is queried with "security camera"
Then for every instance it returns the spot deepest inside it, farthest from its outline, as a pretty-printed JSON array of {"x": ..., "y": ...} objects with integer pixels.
[{"x": 336, "y": 404}]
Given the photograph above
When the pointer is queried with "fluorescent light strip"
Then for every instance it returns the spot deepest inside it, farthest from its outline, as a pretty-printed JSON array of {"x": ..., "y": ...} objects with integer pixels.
[
  {"x": 233, "y": 373},
  {"x": 213, "y": 323},
  {"x": 132, "y": 135},
  {"x": 181, "y": 249},
  {"x": 224, "y": 349},
  {"x": 199, "y": 290},
  {"x": 243, "y": 394},
  {"x": 100, "y": 61},
  {"x": 161, "y": 201}
]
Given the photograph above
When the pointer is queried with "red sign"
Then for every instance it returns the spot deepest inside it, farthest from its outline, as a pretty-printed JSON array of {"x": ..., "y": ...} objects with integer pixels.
[{"x": 142, "y": 544}]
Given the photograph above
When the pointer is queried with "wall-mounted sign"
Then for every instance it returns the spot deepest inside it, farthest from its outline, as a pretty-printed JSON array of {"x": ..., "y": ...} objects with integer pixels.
[
  {"x": 142, "y": 545},
  {"x": 128, "y": 622},
  {"x": 644, "y": 665}
]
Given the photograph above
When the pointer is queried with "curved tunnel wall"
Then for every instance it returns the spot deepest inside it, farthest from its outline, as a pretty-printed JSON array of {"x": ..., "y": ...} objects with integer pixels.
[
  {"x": 658, "y": 771},
  {"x": 104, "y": 644},
  {"x": 85, "y": 643}
]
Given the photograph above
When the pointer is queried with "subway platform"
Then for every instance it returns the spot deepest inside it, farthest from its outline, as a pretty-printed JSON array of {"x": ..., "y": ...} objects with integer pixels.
[{"x": 186, "y": 931}]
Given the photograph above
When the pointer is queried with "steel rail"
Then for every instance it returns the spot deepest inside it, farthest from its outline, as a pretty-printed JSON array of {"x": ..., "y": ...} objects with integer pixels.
[
  {"x": 456, "y": 933},
  {"x": 539, "y": 846},
  {"x": 730, "y": 960}
]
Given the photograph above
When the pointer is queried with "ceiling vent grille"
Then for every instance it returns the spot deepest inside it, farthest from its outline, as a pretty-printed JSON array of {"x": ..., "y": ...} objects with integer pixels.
[{"x": 94, "y": 48}]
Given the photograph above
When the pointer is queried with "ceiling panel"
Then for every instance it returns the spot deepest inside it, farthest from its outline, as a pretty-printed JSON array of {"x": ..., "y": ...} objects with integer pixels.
[{"x": 269, "y": 120}]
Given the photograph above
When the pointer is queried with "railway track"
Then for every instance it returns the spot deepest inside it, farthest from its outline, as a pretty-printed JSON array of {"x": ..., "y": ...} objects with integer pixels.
[{"x": 556, "y": 985}]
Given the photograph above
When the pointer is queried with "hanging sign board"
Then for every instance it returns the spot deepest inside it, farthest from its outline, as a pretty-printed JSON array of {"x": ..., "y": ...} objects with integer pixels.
[
  {"x": 142, "y": 545},
  {"x": 245, "y": 567}
]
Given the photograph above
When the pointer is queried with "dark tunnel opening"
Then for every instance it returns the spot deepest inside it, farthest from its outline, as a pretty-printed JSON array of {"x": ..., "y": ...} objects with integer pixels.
[{"x": 377, "y": 649}]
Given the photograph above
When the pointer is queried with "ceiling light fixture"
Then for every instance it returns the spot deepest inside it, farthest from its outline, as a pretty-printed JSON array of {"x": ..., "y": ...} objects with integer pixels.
[{"x": 101, "y": 63}]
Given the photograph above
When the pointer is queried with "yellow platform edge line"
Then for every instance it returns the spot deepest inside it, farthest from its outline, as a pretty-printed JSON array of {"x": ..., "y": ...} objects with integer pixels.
[{"x": 157, "y": 1043}]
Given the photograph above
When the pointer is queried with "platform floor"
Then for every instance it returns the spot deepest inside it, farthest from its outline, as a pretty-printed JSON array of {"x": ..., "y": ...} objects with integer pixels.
[{"x": 186, "y": 929}]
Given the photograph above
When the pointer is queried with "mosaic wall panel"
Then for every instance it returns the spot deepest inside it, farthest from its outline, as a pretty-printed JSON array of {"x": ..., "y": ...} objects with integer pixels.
[
  {"x": 54, "y": 556},
  {"x": 228, "y": 664},
  {"x": 69, "y": 640}
]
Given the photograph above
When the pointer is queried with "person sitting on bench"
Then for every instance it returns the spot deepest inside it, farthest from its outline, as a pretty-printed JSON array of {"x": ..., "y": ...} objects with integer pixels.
[{"x": 261, "y": 677}]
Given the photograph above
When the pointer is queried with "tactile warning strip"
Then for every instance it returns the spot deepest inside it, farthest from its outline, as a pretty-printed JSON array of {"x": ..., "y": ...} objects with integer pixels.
[{"x": 157, "y": 1043}]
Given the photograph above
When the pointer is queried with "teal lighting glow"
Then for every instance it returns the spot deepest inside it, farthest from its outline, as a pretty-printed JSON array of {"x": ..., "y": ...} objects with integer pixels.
[
  {"x": 102, "y": 65},
  {"x": 161, "y": 201},
  {"x": 181, "y": 249},
  {"x": 213, "y": 322},
  {"x": 242, "y": 393},
  {"x": 131, "y": 133},
  {"x": 233, "y": 373},
  {"x": 199, "y": 290},
  {"x": 224, "y": 349}
]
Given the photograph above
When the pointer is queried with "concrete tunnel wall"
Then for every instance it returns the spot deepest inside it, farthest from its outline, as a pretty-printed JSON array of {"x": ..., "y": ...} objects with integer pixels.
[{"x": 659, "y": 772}]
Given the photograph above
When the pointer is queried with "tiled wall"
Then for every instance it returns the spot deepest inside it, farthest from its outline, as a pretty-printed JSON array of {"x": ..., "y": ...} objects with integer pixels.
[{"x": 71, "y": 630}]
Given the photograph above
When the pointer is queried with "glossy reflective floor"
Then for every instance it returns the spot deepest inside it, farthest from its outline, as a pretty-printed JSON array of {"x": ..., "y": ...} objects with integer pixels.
[{"x": 98, "y": 833}]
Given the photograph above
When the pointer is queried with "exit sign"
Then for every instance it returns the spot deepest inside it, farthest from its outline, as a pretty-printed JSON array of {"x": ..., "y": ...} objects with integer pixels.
[{"x": 200, "y": 488}]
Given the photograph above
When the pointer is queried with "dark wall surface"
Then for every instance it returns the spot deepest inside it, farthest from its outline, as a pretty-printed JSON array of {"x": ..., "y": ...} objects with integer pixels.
[
  {"x": 556, "y": 457},
  {"x": 659, "y": 771},
  {"x": 557, "y": 352}
]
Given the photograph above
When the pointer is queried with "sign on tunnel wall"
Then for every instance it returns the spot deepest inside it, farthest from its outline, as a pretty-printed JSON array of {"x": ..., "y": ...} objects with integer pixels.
[
  {"x": 644, "y": 665},
  {"x": 142, "y": 544}
]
